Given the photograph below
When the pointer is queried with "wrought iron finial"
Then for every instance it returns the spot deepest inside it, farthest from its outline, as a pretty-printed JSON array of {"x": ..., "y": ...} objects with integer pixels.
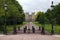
[{"x": 52, "y": 2}]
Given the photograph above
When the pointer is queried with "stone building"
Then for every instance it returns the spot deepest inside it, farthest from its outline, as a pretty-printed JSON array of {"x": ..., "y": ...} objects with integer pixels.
[{"x": 29, "y": 17}]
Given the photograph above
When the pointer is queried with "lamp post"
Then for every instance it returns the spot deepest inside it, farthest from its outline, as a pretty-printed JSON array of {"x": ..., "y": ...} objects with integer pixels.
[
  {"x": 52, "y": 20},
  {"x": 5, "y": 8}
]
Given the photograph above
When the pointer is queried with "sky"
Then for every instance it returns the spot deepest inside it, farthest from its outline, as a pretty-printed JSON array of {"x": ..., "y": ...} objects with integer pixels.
[{"x": 36, "y": 5}]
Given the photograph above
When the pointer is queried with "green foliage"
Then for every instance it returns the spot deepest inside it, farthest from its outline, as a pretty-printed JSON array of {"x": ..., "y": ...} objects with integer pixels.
[
  {"x": 14, "y": 12},
  {"x": 40, "y": 17},
  {"x": 57, "y": 12},
  {"x": 54, "y": 14}
]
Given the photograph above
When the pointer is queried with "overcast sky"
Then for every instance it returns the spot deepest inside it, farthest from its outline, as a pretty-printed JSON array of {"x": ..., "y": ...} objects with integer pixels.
[{"x": 36, "y": 5}]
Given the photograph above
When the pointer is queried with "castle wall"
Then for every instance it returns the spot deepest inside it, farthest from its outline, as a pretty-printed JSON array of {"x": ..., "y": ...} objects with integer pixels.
[{"x": 29, "y": 17}]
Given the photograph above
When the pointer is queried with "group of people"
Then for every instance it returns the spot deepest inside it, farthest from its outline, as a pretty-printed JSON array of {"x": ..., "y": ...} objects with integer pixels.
[{"x": 26, "y": 29}]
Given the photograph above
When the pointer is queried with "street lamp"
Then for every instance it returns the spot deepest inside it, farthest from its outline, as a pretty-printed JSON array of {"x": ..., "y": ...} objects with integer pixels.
[
  {"x": 52, "y": 6},
  {"x": 5, "y": 8},
  {"x": 52, "y": 30}
]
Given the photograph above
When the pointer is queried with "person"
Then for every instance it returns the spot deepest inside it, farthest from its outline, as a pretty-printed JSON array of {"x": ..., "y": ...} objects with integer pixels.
[
  {"x": 33, "y": 29},
  {"x": 25, "y": 30}
]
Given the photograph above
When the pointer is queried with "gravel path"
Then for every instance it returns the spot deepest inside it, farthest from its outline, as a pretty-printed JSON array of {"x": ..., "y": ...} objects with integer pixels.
[
  {"x": 29, "y": 25},
  {"x": 29, "y": 37}
]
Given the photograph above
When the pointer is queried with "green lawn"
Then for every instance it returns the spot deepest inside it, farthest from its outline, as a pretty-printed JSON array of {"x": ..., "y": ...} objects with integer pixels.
[
  {"x": 10, "y": 27},
  {"x": 48, "y": 27}
]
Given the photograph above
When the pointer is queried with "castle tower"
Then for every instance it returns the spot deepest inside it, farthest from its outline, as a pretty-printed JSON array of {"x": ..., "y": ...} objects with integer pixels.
[{"x": 29, "y": 17}]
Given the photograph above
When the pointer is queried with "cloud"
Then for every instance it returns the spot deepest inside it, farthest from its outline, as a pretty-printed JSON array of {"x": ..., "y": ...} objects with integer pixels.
[{"x": 35, "y": 5}]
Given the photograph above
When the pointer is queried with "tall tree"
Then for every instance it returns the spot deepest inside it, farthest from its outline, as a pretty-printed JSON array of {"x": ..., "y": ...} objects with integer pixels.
[
  {"x": 40, "y": 17},
  {"x": 57, "y": 13},
  {"x": 14, "y": 12}
]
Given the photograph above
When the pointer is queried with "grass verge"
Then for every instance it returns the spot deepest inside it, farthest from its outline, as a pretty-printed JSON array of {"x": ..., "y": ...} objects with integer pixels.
[{"x": 48, "y": 27}]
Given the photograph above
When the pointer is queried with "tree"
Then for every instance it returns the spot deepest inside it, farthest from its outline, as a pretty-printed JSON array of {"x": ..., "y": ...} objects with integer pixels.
[
  {"x": 54, "y": 14},
  {"x": 57, "y": 13},
  {"x": 14, "y": 9},
  {"x": 40, "y": 17},
  {"x": 14, "y": 13},
  {"x": 51, "y": 17}
]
